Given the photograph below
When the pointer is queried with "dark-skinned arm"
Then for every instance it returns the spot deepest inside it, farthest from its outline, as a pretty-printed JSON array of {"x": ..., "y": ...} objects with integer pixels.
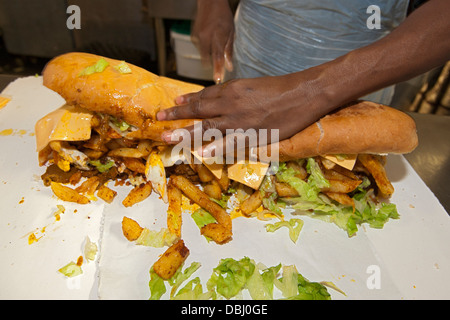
[{"x": 292, "y": 102}]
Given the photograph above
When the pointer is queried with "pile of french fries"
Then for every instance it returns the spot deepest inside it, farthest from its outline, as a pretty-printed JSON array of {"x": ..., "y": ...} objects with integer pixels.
[{"x": 193, "y": 181}]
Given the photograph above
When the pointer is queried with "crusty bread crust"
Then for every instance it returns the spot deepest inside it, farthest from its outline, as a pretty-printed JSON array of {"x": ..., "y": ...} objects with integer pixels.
[
  {"x": 134, "y": 97},
  {"x": 359, "y": 127}
]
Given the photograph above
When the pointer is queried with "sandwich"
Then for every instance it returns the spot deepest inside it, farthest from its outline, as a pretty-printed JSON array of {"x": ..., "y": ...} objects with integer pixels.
[{"x": 107, "y": 131}]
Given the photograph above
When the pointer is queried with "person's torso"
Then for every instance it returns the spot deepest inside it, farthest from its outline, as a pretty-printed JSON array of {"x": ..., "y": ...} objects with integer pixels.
[{"x": 276, "y": 37}]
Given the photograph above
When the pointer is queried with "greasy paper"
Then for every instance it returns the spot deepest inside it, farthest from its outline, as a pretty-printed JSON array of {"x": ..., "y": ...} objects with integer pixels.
[{"x": 407, "y": 259}]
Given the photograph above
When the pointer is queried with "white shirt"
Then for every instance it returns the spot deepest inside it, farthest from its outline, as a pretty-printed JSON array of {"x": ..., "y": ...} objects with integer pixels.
[{"x": 275, "y": 37}]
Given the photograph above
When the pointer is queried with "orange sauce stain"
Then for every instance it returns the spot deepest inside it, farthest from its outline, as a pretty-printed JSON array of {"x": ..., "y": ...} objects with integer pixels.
[
  {"x": 6, "y": 132},
  {"x": 80, "y": 261},
  {"x": 32, "y": 238}
]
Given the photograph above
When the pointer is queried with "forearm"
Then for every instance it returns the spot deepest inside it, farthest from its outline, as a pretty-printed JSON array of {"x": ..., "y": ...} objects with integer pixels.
[{"x": 419, "y": 44}]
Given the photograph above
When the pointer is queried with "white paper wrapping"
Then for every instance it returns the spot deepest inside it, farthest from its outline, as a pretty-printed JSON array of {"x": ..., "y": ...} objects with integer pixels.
[{"x": 407, "y": 259}]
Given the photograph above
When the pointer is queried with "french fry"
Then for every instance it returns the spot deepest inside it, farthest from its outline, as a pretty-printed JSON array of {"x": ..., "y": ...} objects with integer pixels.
[
  {"x": 67, "y": 194},
  {"x": 301, "y": 171},
  {"x": 341, "y": 198},
  {"x": 328, "y": 164},
  {"x": 224, "y": 180},
  {"x": 376, "y": 169},
  {"x": 106, "y": 194},
  {"x": 216, "y": 232},
  {"x": 89, "y": 185},
  {"x": 213, "y": 190},
  {"x": 126, "y": 153},
  {"x": 131, "y": 229},
  {"x": 174, "y": 218},
  {"x": 331, "y": 174},
  {"x": 134, "y": 164},
  {"x": 203, "y": 172},
  {"x": 341, "y": 186},
  {"x": 171, "y": 260},
  {"x": 138, "y": 194},
  {"x": 251, "y": 203},
  {"x": 345, "y": 172},
  {"x": 285, "y": 190},
  {"x": 202, "y": 199},
  {"x": 145, "y": 147}
]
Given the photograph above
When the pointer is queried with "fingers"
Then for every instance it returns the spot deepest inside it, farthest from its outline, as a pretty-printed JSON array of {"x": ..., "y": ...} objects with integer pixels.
[
  {"x": 196, "y": 133},
  {"x": 198, "y": 105}
]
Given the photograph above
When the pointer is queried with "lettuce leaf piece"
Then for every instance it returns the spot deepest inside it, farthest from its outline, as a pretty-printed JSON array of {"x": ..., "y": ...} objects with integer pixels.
[
  {"x": 156, "y": 239},
  {"x": 269, "y": 275},
  {"x": 269, "y": 195},
  {"x": 156, "y": 285},
  {"x": 193, "y": 290},
  {"x": 71, "y": 270},
  {"x": 118, "y": 125},
  {"x": 223, "y": 202},
  {"x": 310, "y": 290},
  {"x": 98, "y": 67},
  {"x": 294, "y": 286},
  {"x": 180, "y": 276},
  {"x": 260, "y": 288},
  {"x": 102, "y": 167},
  {"x": 294, "y": 226},
  {"x": 316, "y": 178},
  {"x": 202, "y": 218},
  {"x": 230, "y": 276},
  {"x": 317, "y": 205},
  {"x": 123, "y": 67}
]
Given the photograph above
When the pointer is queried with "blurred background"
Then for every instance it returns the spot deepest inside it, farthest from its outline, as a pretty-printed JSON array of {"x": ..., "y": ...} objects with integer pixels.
[{"x": 152, "y": 34}]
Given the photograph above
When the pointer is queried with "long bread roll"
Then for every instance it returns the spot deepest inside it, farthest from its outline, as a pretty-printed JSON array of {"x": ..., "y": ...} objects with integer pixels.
[
  {"x": 360, "y": 127},
  {"x": 135, "y": 95}
]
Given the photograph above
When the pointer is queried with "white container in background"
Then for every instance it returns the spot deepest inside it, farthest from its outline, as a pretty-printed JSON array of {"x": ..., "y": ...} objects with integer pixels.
[{"x": 188, "y": 59}]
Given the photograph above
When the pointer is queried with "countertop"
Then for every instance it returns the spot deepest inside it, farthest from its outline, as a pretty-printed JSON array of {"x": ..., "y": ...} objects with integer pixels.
[{"x": 431, "y": 159}]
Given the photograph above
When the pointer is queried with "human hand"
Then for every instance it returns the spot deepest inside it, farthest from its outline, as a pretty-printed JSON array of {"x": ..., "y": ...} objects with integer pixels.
[
  {"x": 213, "y": 34},
  {"x": 285, "y": 103}
]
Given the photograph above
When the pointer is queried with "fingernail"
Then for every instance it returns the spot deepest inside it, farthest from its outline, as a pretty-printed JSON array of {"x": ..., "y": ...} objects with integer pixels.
[
  {"x": 161, "y": 116},
  {"x": 180, "y": 100},
  {"x": 167, "y": 136},
  {"x": 208, "y": 151}
]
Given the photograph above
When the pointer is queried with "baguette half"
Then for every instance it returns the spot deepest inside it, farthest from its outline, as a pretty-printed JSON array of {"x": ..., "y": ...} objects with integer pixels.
[
  {"x": 359, "y": 127},
  {"x": 134, "y": 96}
]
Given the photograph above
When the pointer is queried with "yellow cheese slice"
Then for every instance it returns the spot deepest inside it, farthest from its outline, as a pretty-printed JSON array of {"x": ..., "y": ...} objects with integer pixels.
[
  {"x": 67, "y": 123},
  {"x": 215, "y": 168},
  {"x": 347, "y": 161},
  {"x": 249, "y": 173},
  {"x": 169, "y": 157}
]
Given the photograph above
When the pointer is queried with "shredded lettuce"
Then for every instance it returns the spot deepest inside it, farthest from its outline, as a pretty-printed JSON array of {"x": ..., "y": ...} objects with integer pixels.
[
  {"x": 269, "y": 195},
  {"x": 317, "y": 205},
  {"x": 202, "y": 217},
  {"x": 223, "y": 202},
  {"x": 294, "y": 226},
  {"x": 71, "y": 270},
  {"x": 99, "y": 66},
  {"x": 156, "y": 239},
  {"x": 102, "y": 167},
  {"x": 232, "y": 277},
  {"x": 123, "y": 67},
  {"x": 192, "y": 290},
  {"x": 119, "y": 125},
  {"x": 157, "y": 285},
  {"x": 180, "y": 276}
]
